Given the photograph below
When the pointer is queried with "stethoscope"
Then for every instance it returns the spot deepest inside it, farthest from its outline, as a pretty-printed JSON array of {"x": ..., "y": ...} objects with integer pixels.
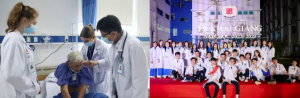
[{"x": 121, "y": 58}]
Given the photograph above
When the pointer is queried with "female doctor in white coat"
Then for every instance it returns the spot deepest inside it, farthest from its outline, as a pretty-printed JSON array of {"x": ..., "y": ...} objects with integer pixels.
[
  {"x": 94, "y": 50},
  {"x": 127, "y": 59},
  {"x": 18, "y": 78}
]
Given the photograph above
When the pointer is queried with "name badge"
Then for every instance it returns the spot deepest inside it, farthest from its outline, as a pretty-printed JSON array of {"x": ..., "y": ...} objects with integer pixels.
[
  {"x": 120, "y": 68},
  {"x": 31, "y": 68}
]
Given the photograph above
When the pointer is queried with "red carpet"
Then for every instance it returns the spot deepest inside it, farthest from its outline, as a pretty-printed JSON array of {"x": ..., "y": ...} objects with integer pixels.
[{"x": 167, "y": 88}]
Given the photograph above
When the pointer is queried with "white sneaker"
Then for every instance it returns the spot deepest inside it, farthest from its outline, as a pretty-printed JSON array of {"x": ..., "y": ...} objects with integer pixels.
[
  {"x": 184, "y": 80},
  {"x": 243, "y": 78},
  {"x": 224, "y": 96},
  {"x": 257, "y": 82},
  {"x": 293, "y": 80},
  {"x": 246, "y": 80},
  {"x": 240, "y": 78},
  {"x": 237, "y": 96},
  {"x": 158, "y": 76},
  {"x": 219, "y": 85}
]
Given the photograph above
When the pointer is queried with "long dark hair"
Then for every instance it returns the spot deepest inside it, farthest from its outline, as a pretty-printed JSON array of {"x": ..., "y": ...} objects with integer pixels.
[
  {"x": 207, "y": 46},
  {"x": 226, "y": 44},
  {"x": 244, "y": 44},
  {"x": 235, "y": 43},
  {"x": 256, "y": 43},
  {"x": 271, "y": 43},
  {"x": 263, "y": 43},
  {"x": 192, "y": 49},
  {"x": 154, "y": 43},
  {"x": 258, "y": 53},
  {"x": 173, "y": 47},
  {"x": 214, "y": 48},
  {"x": 169, "y": 46},
  {"x": 162, "y": 43},
  {"x": 203, "y": 46}
]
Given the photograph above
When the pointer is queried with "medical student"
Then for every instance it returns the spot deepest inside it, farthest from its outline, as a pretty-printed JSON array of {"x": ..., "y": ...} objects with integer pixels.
[
  {"x": 245, "y": 48},
  {"x": 202, "y": 49},
  {"x": 248, "y": 58},
  {"x": 213, "y": 73},
  {"x": 168, "y": 57},
  {"x": 243, "y": 67},
  {"x": 230, "y": 73},
  {"x": 260, "y": 60},
  {"x": 277, "y": 70},
  {"x": 18, "y": 78},
  {"x": 174, "y": 48},
  {"x": 222, "y": 63},
  {"x": 178, "y": 67},
  {"x": 235, "y": 46},
  {"x": 270, "y": 51},
  {"x": 94, "y": 50},
  {"x": 209, "y": 47},
  {"x": 207, "y": 60},
  {"x": 127, "y": 59},
  {"x": 74, "y": 78},
  {"x": 225, "y": 47},
  {"x": 254, "y": 47},
  {"x": 216, "y": 51},
  {"x": 257, "y": 72},
  {"x": 227, "y": 54},
  {"x": 199, "y": 62},
  {"x": 294, "y": 72},
  {"x": 180, "y": 49},
  {"x": 193, "y": 71},
  {"x": 170, "y": 40},
  {"x": 193, "y": 50},
  {"x": 235, "y": 55},
  {"x": 264, "y": 50},
  {"x": 187, "y": 52},
  {"x": 160, "y": 65},
  {"x": 154, "y": 59}
]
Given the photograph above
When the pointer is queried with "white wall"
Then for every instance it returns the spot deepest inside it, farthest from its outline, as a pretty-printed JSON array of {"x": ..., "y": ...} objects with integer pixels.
[{"x": 55, "y": 18}]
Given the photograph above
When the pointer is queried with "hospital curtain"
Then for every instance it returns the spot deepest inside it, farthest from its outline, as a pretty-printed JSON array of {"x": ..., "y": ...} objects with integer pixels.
[{"x": 89, "y": 12}]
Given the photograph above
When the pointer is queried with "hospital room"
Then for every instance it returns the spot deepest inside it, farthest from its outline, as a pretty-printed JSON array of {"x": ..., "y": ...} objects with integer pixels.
[{"x": 55, "y": 33}]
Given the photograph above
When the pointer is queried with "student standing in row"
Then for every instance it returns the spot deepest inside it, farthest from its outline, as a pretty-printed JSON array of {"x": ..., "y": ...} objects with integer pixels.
[
  {"x": 264, "y": 49},
  {"x": 154, "y": 60},
  {"x": 160, "y": 65},
  {"x": 225, "y": 47},
  {"x": 213, "y": 73},
  {"x": 202, "y": 49},
  {"x": 208, "y": 47},
  {"x": 193, "y": 50},
  {"x": 168, "y": 57},
  {"x": 245, "y": 49},
  {"x": 180, "y": 49},
  {"x": 270, "y": 51},
  {"x": 230, "y": 74},
  {"x": 216, "y": 51},
  {"x": 175, "y": 49}
]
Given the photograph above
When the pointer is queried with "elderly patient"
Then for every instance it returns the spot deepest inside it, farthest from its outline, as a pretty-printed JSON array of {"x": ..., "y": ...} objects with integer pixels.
[{"x": 73, "y": 78}]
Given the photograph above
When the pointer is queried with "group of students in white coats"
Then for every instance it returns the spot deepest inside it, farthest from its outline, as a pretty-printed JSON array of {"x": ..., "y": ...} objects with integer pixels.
[{"x": 227, "y": 65}]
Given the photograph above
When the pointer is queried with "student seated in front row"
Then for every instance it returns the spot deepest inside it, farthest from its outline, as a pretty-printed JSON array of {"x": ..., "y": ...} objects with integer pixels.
[
  {"x": 73, "y": 78},
  {"x": 230, "y": 73},
  {"x": 294, "y": 73},
  {"x": 257, "y": 72},
  {"x": 213, "y": 73},
  {"x": 243, "y": 66},
  {"x": 178, "y": 67},
  {"x": 278, "y": 71},
  {"x": 193, "y": 72}
]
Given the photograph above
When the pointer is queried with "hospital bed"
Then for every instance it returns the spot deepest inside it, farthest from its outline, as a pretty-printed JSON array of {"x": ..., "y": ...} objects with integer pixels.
[{"x": 48, "y": 82}]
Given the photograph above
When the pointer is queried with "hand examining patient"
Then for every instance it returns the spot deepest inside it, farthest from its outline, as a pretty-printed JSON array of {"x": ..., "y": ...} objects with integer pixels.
[{"x": 90, "y": 63}]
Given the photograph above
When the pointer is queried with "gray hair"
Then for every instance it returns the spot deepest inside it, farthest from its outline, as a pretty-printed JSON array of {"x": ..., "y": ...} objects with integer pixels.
[{"x": 75, "y": 56}]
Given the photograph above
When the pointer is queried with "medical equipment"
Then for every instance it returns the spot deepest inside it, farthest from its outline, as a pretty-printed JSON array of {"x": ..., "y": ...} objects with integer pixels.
[
  {"x": 121, "y": 57},
  {"x": 46, "y": 40}
]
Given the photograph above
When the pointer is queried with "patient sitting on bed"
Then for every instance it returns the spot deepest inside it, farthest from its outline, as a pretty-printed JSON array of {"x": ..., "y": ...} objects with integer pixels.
[{"x": 73, "y": 77}]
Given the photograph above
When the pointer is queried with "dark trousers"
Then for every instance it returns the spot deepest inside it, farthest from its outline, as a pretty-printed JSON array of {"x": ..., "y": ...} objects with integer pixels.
[
  {"x": 207, "y": 90},
  {"x": 176, "y": 75},
  {"x": 254, "y": 78},
  {"x": 246, "y": 74},
  {"x": 280, "y": 78},
  {"x": 235, "y": 83},
  {"x": 202, "y": 73},
  {"x": 290, "y": 80},
  {"x": 195, "y": 76}
]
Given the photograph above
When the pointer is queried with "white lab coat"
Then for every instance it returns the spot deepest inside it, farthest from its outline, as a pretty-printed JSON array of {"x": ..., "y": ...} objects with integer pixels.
[
  {"x": 190, "y": 70},
  {"x": 222, "y": 65},
  {"x": 253, "y": 49},
  {"x": 280, "y": 70},
  {"x": 245, "y": 50},
  {"x": 216, "y": 53},
  {"x": 174, "y": 50},
  {"x": 178, "y": 66},
  {"x": 18, "y": 78},
  {"x": 207, "y": 63},
  {"x": 202, "y": 52},
  {"x": 258, "y": 72},
  {"x": 188, "y": 55},
  {"x": 217, "y": 75},
  {"x": 223, "y": 50},
  {"x": 263, "y": 52},
  {"x": 243, "y": 65},
  {"x": 294, "y": 71},
  {"x": 154, "y": 57},
  {"x": 271, "y": 53},
  {"x": 101, "y": 75},
  {"x": 230, "y": 73},
  {"x": 133, "y": 81},
  {"x": 168, "y": 57},
  {"x": 180, "y": 50},
  {"x": 162, "y": 55}
]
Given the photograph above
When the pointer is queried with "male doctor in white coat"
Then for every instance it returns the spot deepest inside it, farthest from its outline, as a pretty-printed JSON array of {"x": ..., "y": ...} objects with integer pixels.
[{"x": 127, "y": 60}]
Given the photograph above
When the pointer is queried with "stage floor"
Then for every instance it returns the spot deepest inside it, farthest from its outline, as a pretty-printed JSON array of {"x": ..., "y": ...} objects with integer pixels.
[{"x": 167, "y": 88}]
